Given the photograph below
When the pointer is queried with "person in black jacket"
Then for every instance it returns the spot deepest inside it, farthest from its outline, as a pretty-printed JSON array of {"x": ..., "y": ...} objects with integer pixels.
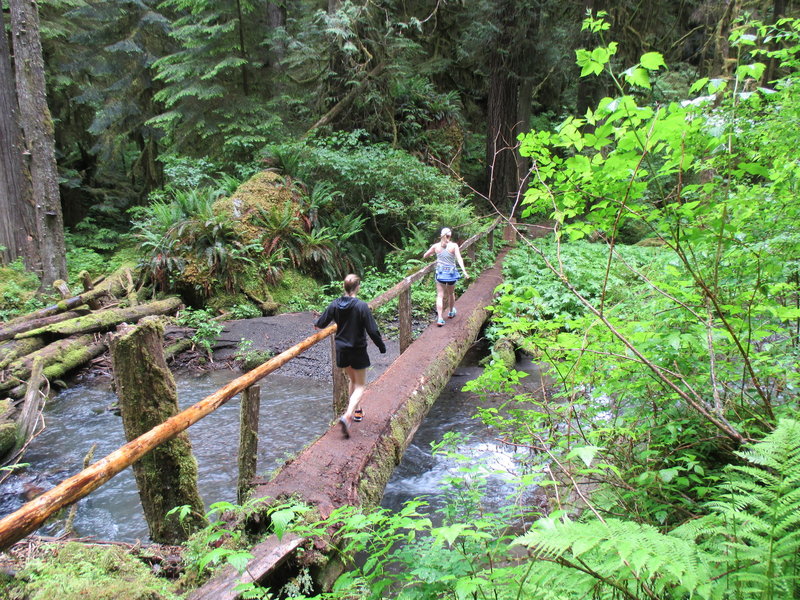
[{"x": 354, "y": 322}]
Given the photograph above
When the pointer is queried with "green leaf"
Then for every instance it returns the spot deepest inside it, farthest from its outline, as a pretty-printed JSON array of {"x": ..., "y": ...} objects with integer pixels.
[
  {"x": 585, "y": 453},
  {"x": 668, "y": 475},
  {"x": 239, "y": 560},
  {"x": 638, "y": 76},
  {"x": 652, "y": 61}
]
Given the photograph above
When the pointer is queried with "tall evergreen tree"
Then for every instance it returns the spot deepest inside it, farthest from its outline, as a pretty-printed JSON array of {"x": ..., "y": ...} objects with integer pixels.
[
  {"x": 214, "y": 106},
  {"x": 17, "y": 223},
  {"x": 37, "y": 128}
]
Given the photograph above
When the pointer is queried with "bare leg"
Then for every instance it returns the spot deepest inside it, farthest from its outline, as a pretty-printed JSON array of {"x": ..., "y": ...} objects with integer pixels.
[
  {"x": 440, "y": 296},
  {"x": 451, "y": 298},
  {"x": 358, "y": 380}
]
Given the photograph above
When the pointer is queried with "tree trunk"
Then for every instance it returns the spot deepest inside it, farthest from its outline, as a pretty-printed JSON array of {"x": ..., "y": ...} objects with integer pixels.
[
  {"x": 166, "y": 476},
  {"x": 37, "y": 129},
  {"x": 276, "y": 19},
  {"x": 17, "y": 221},
  {"x": 11, "y": 351},
  {"x": 501, "y": 142},
  {"x": 6, "y": 333}
]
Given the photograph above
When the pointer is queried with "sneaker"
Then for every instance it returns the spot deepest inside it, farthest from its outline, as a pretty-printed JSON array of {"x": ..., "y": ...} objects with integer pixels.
[
  {"x": 345, "y": 426},
  {"x": 440, "y": 322},
  {"x": 452, "y": 313},
  {"x": 358, "y": 415}
]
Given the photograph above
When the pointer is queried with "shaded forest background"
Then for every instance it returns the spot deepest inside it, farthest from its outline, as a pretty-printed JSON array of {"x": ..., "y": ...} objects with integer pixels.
[{"x": 150, "y": 94}]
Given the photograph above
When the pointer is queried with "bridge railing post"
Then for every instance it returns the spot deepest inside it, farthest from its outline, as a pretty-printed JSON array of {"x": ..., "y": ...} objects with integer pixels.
[
  {"x": 340, "y": 384},
  {"x": 404, "y": 318},
  {"x": 248, "y": 440}
]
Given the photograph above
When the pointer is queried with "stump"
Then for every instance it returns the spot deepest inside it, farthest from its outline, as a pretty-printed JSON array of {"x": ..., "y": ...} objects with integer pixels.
[{"x": 166, "y": 476}]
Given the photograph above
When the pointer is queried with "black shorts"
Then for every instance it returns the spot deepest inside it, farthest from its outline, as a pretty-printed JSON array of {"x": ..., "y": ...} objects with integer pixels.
[
  {"x": 446, "y": 282},
  {"x": 357, "y": 358}
]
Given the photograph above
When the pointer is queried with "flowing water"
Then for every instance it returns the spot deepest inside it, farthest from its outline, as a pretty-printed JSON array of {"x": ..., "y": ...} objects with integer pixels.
[
  {"x": 423, "y": 473},
  {"x": 77, "y": 418},
  {"x": 294, "y": 412}
]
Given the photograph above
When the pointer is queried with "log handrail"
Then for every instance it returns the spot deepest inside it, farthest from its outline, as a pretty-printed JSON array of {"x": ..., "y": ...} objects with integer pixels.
[{"x": 33, "y": 514}]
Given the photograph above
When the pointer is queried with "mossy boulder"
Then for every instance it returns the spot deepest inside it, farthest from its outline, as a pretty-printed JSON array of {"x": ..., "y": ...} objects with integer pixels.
[{"x": 264, "y": 191}]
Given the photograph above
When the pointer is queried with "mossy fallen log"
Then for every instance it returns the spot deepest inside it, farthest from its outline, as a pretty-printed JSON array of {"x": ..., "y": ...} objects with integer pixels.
[
  {"x": 9, "y": 331},
  {"x": 113, "y": 286},
  {"x": 59, "y": 358},
  {"x": 14, "y": 349},
  {"x": 106, "y": 319}
]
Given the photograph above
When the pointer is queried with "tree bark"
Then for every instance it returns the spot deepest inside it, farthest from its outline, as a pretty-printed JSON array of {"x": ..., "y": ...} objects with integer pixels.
[
  {"x": 248, "y": 440},
  {"x": 166, "y": 476},
  {"x": 17, "y": 220},
  {"x": 105, "y": 319},
  {"x": 276, "y": 19},
  {"x": 502, "y": 158},
  {"x": 38, "y": 133}
]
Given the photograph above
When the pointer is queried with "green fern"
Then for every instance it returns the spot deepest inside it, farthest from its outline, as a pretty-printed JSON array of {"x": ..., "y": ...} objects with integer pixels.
[
  {"x": 746, "y": 547},
  {"x": 620, "y": 558},
  {"x": 756, "y": 521}
]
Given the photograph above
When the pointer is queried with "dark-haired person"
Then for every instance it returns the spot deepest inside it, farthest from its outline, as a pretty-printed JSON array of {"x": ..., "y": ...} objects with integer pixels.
[
  {"x": 354, "y": 322},
  {"x": 447, "y": 254}
]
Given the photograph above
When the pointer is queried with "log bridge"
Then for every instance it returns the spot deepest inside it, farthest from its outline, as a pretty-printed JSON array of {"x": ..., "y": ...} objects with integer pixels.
[{"x": 398, "y": 402}]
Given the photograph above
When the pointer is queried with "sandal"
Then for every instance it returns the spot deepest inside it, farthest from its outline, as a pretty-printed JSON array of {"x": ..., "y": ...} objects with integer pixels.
[{"x": 358, "y": 415}]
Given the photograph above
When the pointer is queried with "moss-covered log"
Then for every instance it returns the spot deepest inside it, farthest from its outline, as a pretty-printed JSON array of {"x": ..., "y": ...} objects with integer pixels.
[
  {"x": 14, "y": 349},
  {"x": 166, "y": 476},
  {"x": 9, "y": 331},
  {"x": 59, "y": 358},
  {"x": 113, "y": 286},
  {"x": 106, "y": 319}
]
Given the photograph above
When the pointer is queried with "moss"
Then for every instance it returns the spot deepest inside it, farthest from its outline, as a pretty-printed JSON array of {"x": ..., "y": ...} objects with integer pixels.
[
  {"x": 17, "y": 289},
  {"x": 8, "y": 437},
  {"x": 263, "y": 191},
  {"x": 297, "y": 292},
  {"x": 77, "y": 571}
]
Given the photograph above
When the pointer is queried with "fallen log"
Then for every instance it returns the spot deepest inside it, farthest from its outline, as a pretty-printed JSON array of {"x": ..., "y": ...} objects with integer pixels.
[
  {"x": 113, "y": 286},
  {"x": 397, "y": 404},
  {"x": 103, "y": 320},
  {"x": 58, "y": 358},
  {"x": 14, "y": 349},
  {"x": 31, "y": 406},
  {"x": 9, "y": 331}
]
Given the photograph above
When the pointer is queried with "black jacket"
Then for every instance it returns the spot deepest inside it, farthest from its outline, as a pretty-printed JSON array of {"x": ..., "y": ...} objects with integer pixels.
[{"x": 354, "y": 320}]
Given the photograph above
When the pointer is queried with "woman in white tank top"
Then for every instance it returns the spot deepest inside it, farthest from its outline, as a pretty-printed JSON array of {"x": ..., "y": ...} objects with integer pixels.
[{"x": 447, "y": 254}]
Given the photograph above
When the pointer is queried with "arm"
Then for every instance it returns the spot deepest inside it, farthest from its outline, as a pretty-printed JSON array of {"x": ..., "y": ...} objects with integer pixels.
[
  {"x": 372, "y": 330},
  {"x": 429, "y": 251},
  {"x": 460, "y": 261},
  {"x": 325, "y": 318}
]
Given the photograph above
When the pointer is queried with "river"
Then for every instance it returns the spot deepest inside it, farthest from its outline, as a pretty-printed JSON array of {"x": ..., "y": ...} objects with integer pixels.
[{"x": 79, "y": 417}]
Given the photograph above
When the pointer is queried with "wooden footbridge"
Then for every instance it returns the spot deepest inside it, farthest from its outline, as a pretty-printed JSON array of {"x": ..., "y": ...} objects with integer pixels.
[{"x": 397, "y": 403}]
